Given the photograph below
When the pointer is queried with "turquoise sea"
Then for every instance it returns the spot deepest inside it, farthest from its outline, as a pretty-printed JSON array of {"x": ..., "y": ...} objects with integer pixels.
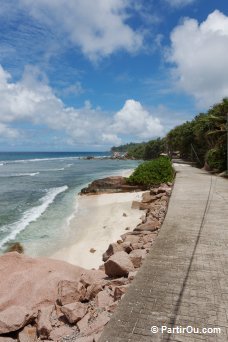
[{"x": 38, "y": 195}]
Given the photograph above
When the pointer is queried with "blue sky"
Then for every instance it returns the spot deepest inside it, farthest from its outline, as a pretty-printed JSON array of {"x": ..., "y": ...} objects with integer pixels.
[{"x": 84, "y": 75}]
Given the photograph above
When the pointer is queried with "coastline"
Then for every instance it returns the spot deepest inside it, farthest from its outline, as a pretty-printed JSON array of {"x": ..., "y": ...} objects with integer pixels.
[
  {"x": 105, "y": 218},
  {"x": 40, "y": 223}
]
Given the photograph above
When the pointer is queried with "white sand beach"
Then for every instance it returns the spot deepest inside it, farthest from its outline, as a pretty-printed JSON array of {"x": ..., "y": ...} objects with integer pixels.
[{"x": 106, "y": 218}]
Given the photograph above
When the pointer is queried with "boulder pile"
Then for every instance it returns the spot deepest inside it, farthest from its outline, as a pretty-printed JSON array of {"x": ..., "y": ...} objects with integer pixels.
[{"x": 49, "y": 300}]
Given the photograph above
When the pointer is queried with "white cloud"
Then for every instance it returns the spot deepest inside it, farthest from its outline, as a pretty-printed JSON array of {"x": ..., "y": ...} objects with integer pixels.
[
  {"x": 109, "y": 138},
  {"x": 133, "y": 119},
  {"x": 32, "y": 100},
  {"x": 200, "y": 52},
  {"x": 7, "y": 132},
  {"x": 179, "y": 3},
  {"x": 98, "y": 27}
]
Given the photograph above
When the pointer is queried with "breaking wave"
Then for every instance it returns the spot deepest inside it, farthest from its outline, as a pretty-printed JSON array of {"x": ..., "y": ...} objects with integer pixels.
[{"x": 31, "y": 215}]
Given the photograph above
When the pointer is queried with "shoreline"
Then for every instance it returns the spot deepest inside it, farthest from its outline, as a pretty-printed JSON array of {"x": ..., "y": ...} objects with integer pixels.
[{"x": 105, "y": 218}]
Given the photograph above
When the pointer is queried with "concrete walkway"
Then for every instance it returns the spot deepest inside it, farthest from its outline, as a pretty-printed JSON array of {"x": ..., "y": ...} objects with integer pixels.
[{"x": 184, "y": 280}]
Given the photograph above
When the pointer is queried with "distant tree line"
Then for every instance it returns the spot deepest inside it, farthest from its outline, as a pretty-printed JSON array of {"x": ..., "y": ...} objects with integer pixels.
[
  {"x": 203, "y": 140},
  {"x": 125, "y": 147},
  {"x": 145, "y": 150}
]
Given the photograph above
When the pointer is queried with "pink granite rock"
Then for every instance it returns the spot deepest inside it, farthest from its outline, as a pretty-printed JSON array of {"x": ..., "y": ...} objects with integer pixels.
[
  {"x": 103, "y": 299},
  {"x": 28, "y": 334},
  {"x": 147, "y": 197},
  {"x": 83, "y": 323},
  {"x": 130, "y": 238},
  {"x": 58, "y": 333},
  {"x": 118, "y": 281},
  {"x": 137, "y": 245},
  {"x": 112, "y": 249},
  {"x": 135, "y": 205},
  {"x": 150, "y": 226},
  {"x": 149, "y": 238},
  {"x": 70, "y": 291},
  {"x": 74, "y": 311},
  {"x": 98, "y": 324},
  {"x": 118, "y": 265},
  {"x": 120, "y": 291},
  {"x": 137, "y": 257},
  {"x": 14, "y": 318},
  {"x": 32, "y": 283},
  {"x": 146, "y": 206},
  {"x": 127, "y": 247},
  {"x": 94, "y": 281},
  {"x": 92, "y": 276},
  {"x": 93, "y": 290}
]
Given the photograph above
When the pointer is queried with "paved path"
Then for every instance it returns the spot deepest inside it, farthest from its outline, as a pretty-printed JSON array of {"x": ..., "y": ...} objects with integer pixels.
[{"x": 184, "y": 279}]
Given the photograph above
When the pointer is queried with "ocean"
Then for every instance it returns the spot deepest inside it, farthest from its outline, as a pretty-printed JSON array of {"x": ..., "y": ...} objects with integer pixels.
[{"x": 39, "y": 192}]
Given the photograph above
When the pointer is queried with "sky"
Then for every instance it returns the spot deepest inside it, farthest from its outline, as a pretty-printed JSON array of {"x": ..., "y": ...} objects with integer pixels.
[{"x": 84, "y": 75}]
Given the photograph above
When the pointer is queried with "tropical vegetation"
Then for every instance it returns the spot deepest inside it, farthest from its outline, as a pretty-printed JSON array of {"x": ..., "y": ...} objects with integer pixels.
[
  {"x": 153, "y": 172},
  {"x": 202, "y": 140}
]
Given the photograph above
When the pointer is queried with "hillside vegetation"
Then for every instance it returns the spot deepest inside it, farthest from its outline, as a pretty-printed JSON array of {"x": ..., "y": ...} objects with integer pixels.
[{"x": 203, "y": 140}]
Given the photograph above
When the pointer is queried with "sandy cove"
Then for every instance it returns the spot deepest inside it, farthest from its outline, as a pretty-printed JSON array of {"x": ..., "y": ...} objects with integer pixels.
[{"x": 108, "y": 217}]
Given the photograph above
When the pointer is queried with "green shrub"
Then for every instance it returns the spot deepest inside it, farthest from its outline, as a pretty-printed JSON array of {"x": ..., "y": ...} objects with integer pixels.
[
  {"x": 217, "y": 158},
  {"x": 153, "y": 172}
]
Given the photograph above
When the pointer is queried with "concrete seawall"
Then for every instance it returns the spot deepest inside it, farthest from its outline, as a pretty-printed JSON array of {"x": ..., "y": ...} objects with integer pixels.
[{"x": 184, "y": 280}]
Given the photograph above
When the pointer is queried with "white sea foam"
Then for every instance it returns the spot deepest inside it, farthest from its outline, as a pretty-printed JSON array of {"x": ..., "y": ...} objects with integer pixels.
[
  {"x": 49, "y": 159},
  {"x": 60, "y": 169},
  {"x": 31, "y": 215},
  {"x": 22, "y": 174},
  {"x": 72, "y": 216},
  {"x": 39, "y": 160}
]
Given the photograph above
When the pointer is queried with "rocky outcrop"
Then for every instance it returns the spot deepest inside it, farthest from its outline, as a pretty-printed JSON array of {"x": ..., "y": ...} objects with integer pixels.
[
  {"x": 32, "y": 283},
  {"x": 44, "y": 299},
  {"x": 110, "y": 185}
]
